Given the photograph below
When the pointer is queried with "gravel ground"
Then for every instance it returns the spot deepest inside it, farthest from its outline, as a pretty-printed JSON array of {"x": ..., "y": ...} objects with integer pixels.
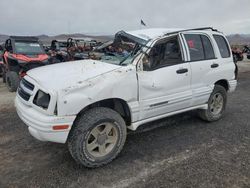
[{"x": 181, "y": 151}]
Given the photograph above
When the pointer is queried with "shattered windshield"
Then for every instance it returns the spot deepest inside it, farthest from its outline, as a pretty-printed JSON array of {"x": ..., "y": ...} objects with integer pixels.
[
  {"x": 28, "y": 48},
  {"x": 121, "y": 52}
]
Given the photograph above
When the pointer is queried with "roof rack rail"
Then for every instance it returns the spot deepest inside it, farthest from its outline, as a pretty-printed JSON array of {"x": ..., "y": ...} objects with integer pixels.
[
  {"x": 28, "y": 38},
  {"x": 205, "y": 28},
  {"x": 194, "y": 29}
]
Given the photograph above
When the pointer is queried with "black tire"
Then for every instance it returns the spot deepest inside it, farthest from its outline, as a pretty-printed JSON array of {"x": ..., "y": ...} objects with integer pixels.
[
  {"x": 235, "y": 59},
  {"x": 207, "y": 114},
  {"x": 240, "y": 58},
  {"x": 4, "y": 77},
  {"x": 79, "y": 135},
  {"x": 3, "y": 74},
  {"x": 12, "y": 81}
]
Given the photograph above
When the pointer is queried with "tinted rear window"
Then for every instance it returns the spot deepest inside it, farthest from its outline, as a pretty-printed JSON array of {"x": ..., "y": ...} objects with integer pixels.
[
  {"x": 222, "y": 45},
  {"x": 195, "y": 47},
  {"x": 208, "y": 48}
]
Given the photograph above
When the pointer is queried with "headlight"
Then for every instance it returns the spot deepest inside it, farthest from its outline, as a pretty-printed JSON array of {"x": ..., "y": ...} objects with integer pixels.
[{"x": 42, "y": 99}]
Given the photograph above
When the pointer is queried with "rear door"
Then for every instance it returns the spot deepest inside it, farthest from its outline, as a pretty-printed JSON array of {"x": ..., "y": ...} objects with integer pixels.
[{"x": 204, "y": 65}]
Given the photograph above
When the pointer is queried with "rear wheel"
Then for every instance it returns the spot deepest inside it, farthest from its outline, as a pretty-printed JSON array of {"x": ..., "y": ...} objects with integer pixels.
[
  {"x": 12, "y": 81},
  {"x": 216, "y": 105},
  {"x": 97, "y": 137}
]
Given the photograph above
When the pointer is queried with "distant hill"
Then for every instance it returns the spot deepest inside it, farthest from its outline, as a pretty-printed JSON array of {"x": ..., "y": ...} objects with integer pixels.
[
  {"x": 3, "y": 38},
  {"x": 239, "y": 39}
]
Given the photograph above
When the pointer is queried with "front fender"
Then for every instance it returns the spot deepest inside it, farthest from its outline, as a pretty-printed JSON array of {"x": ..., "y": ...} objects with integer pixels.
[{"x": 120, "y": 84}]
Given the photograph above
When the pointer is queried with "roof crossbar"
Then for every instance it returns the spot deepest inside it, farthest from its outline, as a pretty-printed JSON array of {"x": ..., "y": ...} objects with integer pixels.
[{"x": 24, "y": 38}]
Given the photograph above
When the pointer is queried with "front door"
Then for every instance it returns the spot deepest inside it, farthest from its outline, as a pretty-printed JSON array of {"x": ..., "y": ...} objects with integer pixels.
[{"x": 164, "y": 83}]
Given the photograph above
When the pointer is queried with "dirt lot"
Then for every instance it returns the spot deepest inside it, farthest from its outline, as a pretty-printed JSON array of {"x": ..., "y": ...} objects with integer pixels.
[{"x": 181, "y": 151}]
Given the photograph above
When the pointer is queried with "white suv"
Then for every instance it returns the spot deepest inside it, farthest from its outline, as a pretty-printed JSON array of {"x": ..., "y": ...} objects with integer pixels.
[{"x": 143, "y": 76}]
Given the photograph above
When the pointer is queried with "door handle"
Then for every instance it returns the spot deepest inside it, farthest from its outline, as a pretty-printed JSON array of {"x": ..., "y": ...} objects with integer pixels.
[
  {"x": 214, "y": 65},
  {"x": 181, "y": 71}
]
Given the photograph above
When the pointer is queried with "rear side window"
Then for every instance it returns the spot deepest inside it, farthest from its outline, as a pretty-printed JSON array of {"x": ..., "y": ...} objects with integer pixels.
[
  {"x": 200, "y": 47},
  {"x": 208, "y": 48},
  {"x": 195, "y": 47},
  {"x": 222, "y": 45}
]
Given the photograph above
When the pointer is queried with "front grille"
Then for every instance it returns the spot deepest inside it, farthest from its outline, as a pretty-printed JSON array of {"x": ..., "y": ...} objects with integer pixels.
[
  {"x": 28, "y": 84},
  {"x": 25, "y": 89},
  {"x": 23, "y": 94}
]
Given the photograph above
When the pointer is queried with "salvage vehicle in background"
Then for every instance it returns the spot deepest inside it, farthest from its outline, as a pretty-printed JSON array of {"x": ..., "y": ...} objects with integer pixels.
[
  {"x": 79, "y": 48},
  {"x": 246, "y": 50},
  {"x": 58, "y": 51},
  {"x": 71, "y": 49},
  {"x": 238, "y": 55},
  {"x": 1, "y": 65},
  {"x": 155, "y": 74},
  {"x": 1, "y": 59},
  {"x": 21, "y": 54}
]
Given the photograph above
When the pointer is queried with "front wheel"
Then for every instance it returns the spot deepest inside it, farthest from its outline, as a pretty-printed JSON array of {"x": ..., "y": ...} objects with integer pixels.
[
  {"x": 97, "y": 137},
  {"x": 3, "y": 75},
  {"x": 12, "y": 81},
  {"x": 216, "y": 105}
]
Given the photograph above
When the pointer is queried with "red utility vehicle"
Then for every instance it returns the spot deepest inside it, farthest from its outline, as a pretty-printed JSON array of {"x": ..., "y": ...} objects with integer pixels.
[{"x": 21, "y": 54}]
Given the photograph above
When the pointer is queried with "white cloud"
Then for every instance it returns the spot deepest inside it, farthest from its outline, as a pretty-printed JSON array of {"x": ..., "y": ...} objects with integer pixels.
[{"x": 28, "y": 17}]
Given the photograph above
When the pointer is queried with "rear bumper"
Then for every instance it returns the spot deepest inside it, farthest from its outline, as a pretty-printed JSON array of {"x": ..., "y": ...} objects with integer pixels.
[
  {"x": 41, "y": 126},
  {"x": 232, "y": 85}
]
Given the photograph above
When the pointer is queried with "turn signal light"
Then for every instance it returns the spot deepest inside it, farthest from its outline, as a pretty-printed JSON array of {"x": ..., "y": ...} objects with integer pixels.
[{"x": 60, "y": 127}]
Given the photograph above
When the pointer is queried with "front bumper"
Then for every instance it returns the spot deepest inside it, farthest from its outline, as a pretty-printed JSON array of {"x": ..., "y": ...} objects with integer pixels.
[{"x": 41, "y": 125}]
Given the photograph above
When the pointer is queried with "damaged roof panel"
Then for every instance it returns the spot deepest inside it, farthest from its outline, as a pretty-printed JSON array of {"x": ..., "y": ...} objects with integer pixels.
[{"x": 148, "y": 34}]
